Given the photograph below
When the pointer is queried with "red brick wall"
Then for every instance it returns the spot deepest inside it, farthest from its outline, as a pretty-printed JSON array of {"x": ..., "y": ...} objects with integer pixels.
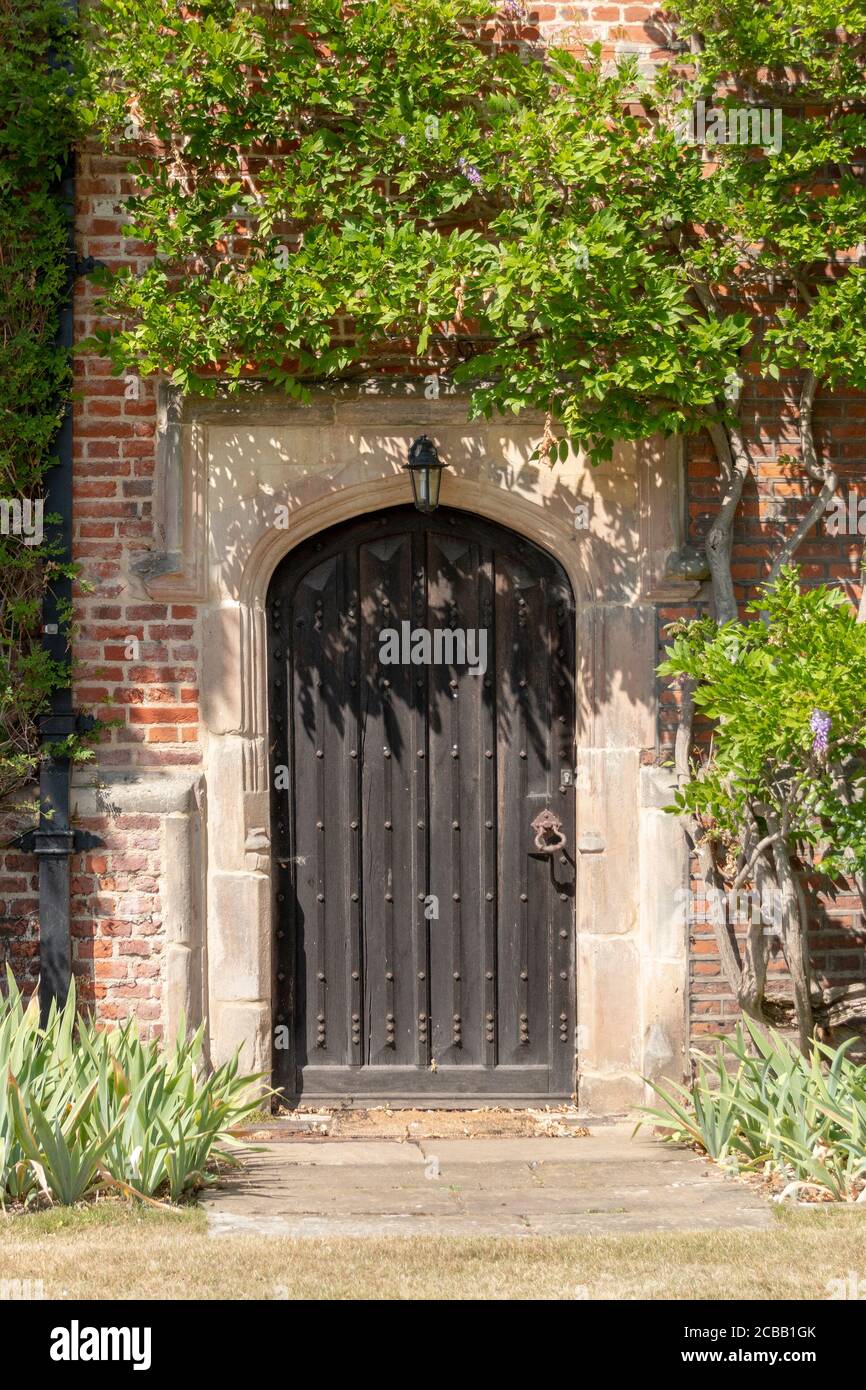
[
  {"x": 152, "y": 699},
  {"x": 117, "y": 923}
]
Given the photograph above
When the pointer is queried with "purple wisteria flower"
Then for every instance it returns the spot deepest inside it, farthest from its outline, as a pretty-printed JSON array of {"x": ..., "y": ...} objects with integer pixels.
[
  {"x": 516, "y": 10},
  {"x": 820, "y": 726},
  {"x": 470, "y": 172}
]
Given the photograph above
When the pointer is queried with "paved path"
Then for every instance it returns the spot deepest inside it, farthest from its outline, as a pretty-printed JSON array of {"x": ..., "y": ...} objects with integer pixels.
[{"x": 598, "y": 1185}]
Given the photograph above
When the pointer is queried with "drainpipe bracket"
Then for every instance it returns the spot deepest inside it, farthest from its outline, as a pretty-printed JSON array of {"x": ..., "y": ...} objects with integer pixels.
[
  {"x": 60, "y": 726},
  {"x": 53, "y": 844},
  {"x": 55, "y": 729}
]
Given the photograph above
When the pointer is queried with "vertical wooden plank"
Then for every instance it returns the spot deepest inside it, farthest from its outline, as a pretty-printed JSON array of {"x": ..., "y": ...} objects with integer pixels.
[
  {"x": 511, "y": 815},
  {"x": 281, "y": 802},
  {"x": 457, "y": 829},
  {"x": 536, "y": 744},
  {"x": 488, "y": 833},
  {"x": 424, "y": 924},
  {"x": 563, "y": 991},
  {"x": 305, "y": 742},
  {"x": 321, "y": 812},
  {"x": 390, "y": 809},
  {"x": 349, "y": 744}
]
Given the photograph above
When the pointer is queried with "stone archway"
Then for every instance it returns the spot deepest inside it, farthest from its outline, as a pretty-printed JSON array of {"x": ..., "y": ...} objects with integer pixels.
[{"x": 243, "y": 483}]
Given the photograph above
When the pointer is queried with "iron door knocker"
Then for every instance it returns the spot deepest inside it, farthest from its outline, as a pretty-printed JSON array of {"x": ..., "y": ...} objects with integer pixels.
[{"x": 549, "y": 834}]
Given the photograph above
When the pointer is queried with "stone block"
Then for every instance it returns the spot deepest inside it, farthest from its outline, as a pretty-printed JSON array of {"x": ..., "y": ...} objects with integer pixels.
[
  {"x": 609, "y": 1093},
  {"x": 607, "y": 843},
  {"x": 246, "y": 1026},
  {"x": 616, "y": 683},
  {"x": 663, "y": 874},
  {"x": 609, "y": 1005},
  {"x": 221, "y": 665},
  {"x": 239, "y": 937}
]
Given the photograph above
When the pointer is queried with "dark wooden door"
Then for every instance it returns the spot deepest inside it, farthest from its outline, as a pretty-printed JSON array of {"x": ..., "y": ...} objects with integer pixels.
[{"x": 424, "y": 946}]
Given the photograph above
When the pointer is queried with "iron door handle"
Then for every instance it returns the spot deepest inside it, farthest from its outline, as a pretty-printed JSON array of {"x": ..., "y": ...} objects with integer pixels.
[{"x": 549, "y": 834}]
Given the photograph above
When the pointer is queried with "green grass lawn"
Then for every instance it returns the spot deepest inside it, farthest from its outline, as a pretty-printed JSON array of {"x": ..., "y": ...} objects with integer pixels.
[{"x": 116, "y": 1251}]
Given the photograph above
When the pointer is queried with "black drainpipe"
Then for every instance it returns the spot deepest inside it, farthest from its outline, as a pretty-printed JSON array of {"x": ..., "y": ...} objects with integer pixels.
[{"x": 53, "y": 840}]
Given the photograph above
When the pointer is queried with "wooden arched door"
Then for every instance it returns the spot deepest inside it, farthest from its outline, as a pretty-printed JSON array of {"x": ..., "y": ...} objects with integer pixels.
[{"x": 424, "y": 944}]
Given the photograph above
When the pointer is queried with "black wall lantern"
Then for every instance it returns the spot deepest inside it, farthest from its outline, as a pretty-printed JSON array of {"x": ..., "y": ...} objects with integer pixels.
[{"x": 425, "y": 470}]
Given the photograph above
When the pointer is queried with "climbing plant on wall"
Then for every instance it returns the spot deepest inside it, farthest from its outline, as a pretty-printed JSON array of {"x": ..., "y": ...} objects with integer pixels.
[
  {"x": 36, "y": 126},
  {"x": 331, "y": 187}
]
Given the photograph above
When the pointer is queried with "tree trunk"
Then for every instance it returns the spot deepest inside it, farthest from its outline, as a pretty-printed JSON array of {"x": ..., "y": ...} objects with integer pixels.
[
  {"x": 795, "y": 940},
  {"x": 747, "y": 977},
  {"x": 734, "y": 469},
  {"x": 818, "y": 472}
]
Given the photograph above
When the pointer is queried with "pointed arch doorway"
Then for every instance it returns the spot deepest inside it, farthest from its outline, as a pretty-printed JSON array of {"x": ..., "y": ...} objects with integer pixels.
[{"x": 425, "y": 942}]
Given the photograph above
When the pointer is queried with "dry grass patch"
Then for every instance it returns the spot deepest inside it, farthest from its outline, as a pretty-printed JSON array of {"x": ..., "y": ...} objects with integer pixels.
[{"x": 114, "y": 1251}]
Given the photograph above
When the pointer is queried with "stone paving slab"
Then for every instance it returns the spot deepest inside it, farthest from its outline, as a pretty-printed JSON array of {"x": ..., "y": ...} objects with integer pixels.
[
  {"x": 596, "y": 1146},
  {"x": 606, "y": 1183},
  {"x": 351, "y": 1153}
]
